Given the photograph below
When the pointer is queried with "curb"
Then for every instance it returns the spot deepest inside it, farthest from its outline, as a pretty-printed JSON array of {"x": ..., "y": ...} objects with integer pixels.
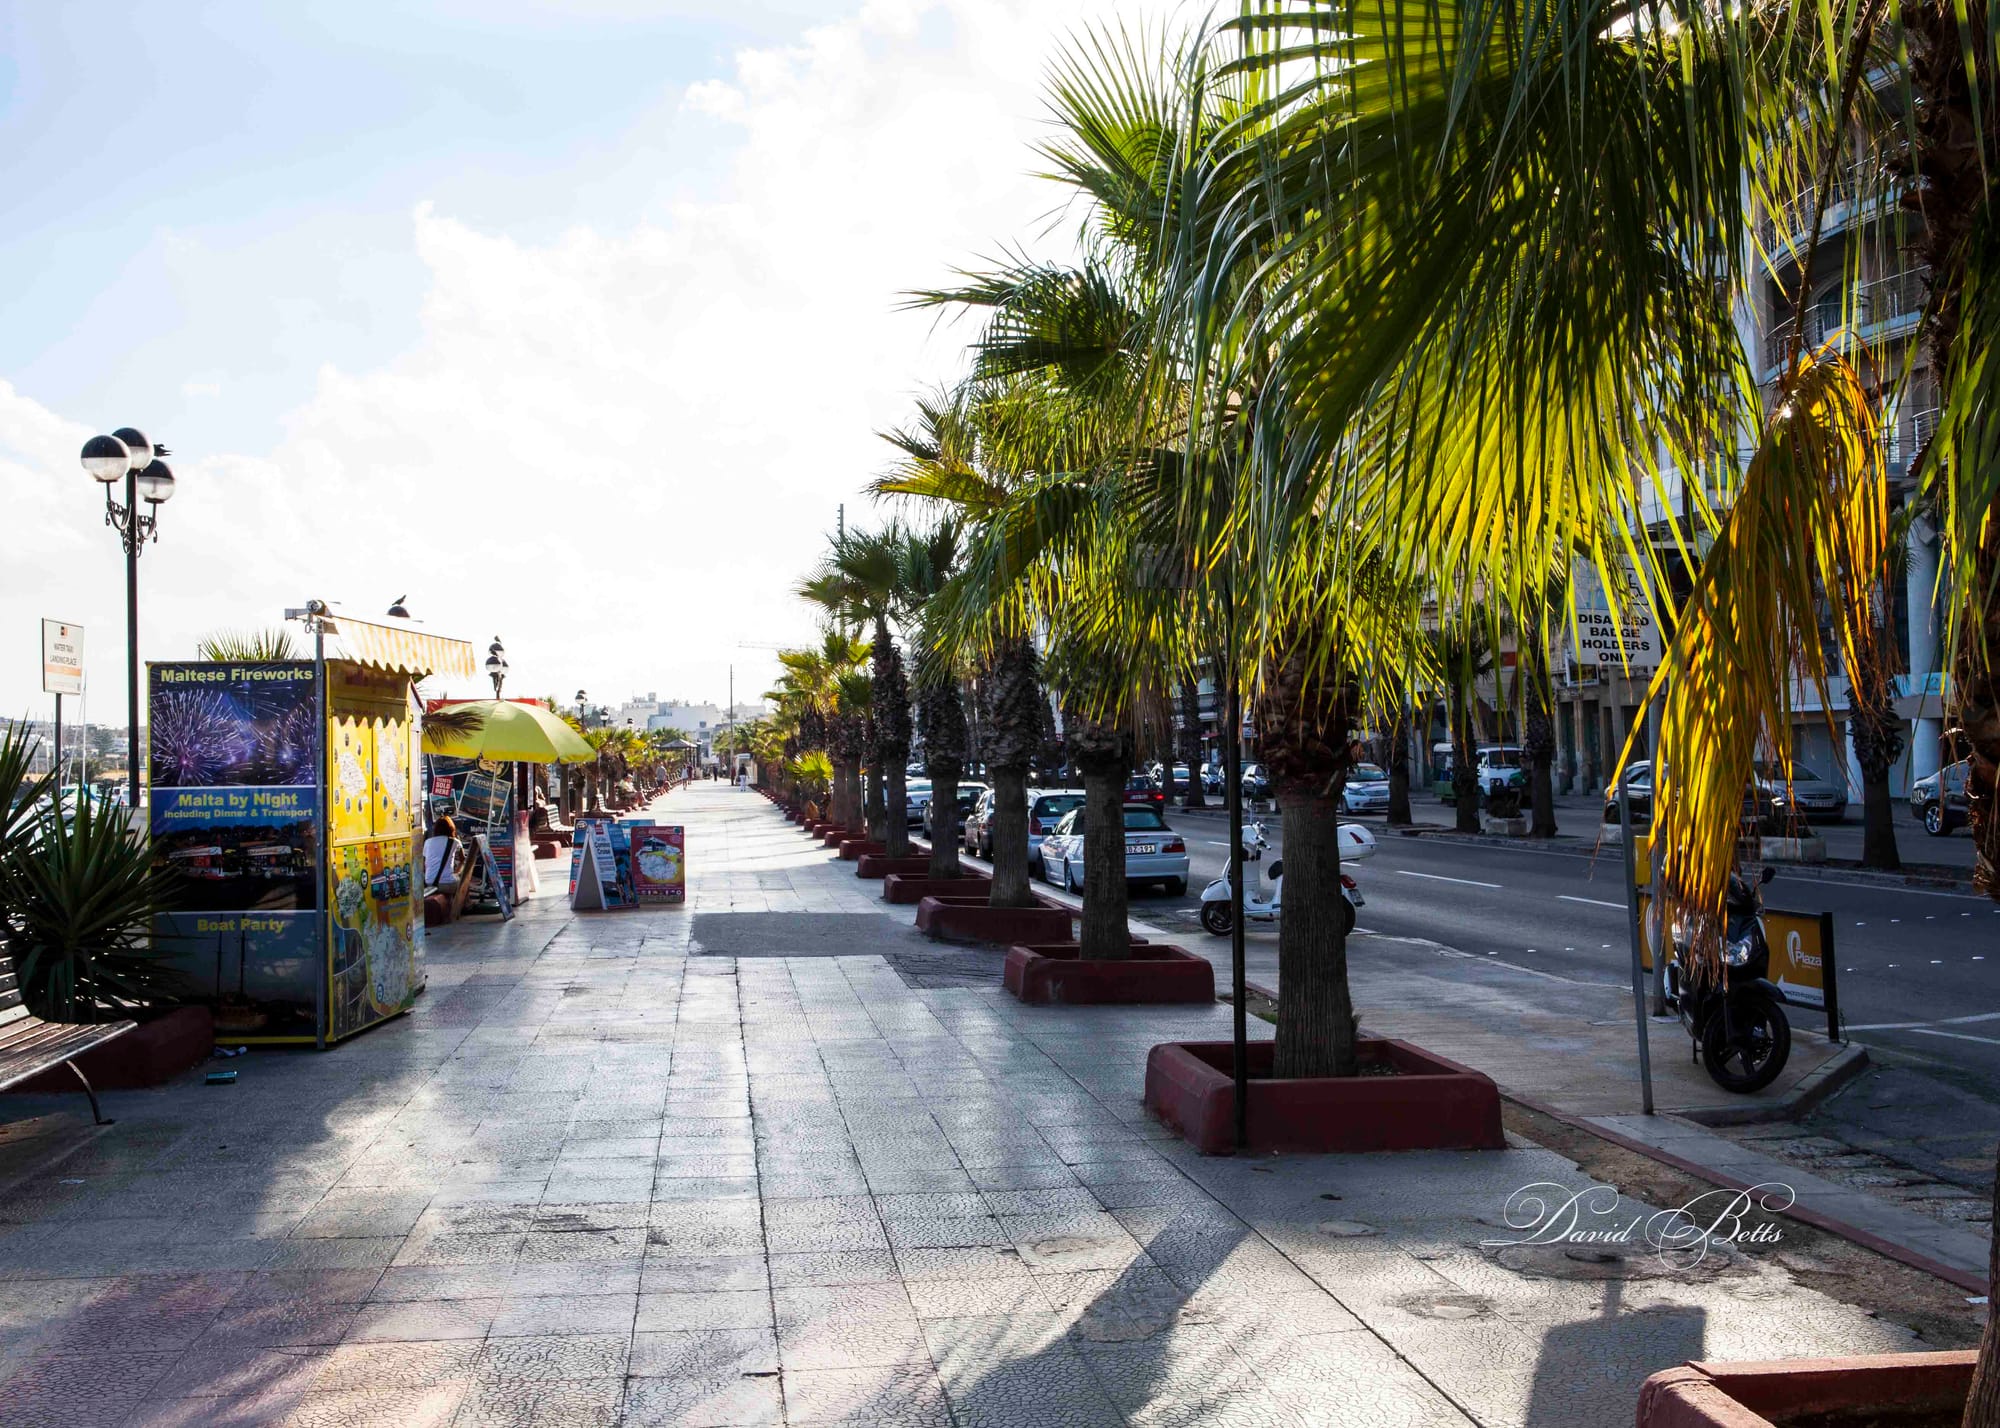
[
  {"x": 1811, "y": 1090},
  {"x": 1813, "y": 1087},
  {"x": 1888, "y": 1249}
]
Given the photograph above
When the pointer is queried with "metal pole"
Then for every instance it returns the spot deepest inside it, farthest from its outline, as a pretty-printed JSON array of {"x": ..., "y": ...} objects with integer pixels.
[
  {"x": 131, "y": 533},
  {"x": 322, "y": 913},
  {"x": 55, "y": 762},
  {"x": 1632, "y": 918},
  {"x": 1233, "y": 786}
]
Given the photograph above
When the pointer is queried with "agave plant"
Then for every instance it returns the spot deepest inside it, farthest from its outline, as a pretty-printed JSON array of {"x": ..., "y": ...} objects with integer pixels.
[
  {"x": 81, "y": 895},
  {"x": 248, "y": 646}
]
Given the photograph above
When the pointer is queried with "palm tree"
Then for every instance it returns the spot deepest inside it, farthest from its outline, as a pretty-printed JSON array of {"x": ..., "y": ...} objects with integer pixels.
[
  {"x": 924, "y": 570},
  {"x": 1014, "y": 713},
  {"x": 1189, "y": 695}
]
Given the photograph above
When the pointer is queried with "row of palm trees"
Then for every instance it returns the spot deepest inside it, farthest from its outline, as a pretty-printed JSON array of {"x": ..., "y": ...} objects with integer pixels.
[
  {"x": 1387, "y": 316},
  {"x": 1384, "y": 318}
]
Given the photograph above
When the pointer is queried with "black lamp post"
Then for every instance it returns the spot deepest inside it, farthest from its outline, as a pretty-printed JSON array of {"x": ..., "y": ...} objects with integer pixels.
[
  {"x": 580, "y": 696},
  {"x": 127, "y": 453},
  {"x": 496, "y": 665}
]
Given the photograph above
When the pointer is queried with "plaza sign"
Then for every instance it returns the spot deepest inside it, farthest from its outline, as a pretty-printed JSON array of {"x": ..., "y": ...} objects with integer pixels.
[{"x": 62, "y": 658}]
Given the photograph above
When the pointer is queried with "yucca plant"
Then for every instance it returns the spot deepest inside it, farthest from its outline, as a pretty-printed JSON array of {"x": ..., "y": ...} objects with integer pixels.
[
  {"x": 248, "y": 646},
  {"x": 81, "y": 895}
]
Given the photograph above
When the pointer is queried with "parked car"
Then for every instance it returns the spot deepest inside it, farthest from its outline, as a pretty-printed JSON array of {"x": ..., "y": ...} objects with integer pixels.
[
  {"x": 916, "y": 797},
  {"x": 1143, "y": 791},
  {"x": 1939, "y": 800},
  {"x": 1760, "y": 813},
  {"x": 1256, "y": 782},
  {"x": 968, "y": 797},
  {"x": 1500, "y": 767},
  {"x": 1367, "y": 790},
  {"x": 1045, "y": 808},
  {"x": 1154, "y": 853},
  {"x": 1816, "y": 799},
  {"x": 1212, "y": 778}
]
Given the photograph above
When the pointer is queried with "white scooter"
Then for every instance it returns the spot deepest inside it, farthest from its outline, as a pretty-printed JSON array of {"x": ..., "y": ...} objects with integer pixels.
[{"x": 1356, "y": 843}]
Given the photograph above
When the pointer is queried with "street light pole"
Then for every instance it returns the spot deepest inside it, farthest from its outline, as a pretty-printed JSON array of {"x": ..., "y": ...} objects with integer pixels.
[{"x": 127, "y": 452}]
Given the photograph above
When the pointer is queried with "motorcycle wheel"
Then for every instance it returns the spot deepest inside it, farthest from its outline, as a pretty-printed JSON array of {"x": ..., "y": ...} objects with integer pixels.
[
  {"x": 1215, "y": 918},
  {"x": 1763, "y": 1045},
  {"x": 1346, "y": 918}
]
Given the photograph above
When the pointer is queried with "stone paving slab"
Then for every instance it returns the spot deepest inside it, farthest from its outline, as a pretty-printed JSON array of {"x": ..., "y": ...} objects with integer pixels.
[{"x": 604, "y": 1176}]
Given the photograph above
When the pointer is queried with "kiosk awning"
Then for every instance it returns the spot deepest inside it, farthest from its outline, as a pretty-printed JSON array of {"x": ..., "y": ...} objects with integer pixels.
[{"x": 400, "y": 648}]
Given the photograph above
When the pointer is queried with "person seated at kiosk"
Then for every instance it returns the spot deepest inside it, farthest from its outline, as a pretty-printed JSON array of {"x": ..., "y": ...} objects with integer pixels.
[{"x": 441, "y": 854}]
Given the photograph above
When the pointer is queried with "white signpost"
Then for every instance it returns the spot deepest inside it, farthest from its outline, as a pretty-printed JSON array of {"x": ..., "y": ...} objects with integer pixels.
[
  {"x": 62, "y": 673},
  {"x": 62, "y": 658}
]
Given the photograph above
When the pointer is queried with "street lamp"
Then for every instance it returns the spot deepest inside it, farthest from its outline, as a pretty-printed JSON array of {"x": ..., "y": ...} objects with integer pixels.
[
  {"x": 496, "y": 665},
  {"x": 127, "y": 453},
  {"x": 580, "y": 696}
]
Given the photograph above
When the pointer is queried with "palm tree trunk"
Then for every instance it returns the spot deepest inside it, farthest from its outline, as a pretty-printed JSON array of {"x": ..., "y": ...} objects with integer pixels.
[
  {"x": 1464, "y": 770},
  {"x": 1191, "y": 744},
  {"x": 873, "y": 810},
  {"x": 944, "y": 819},
  {"x": 1010, "y": 839},
  {"x": 1316, "y": 1032},
  {"x": 1878, "y": 824},
  {"x": 896, "y": 809},
  {"x": 1106, "y": 898},
  {"x": 1399, "y": 768}
]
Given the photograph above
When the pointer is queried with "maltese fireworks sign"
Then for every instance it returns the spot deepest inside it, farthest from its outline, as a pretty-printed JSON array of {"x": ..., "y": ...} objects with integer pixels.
[
  {"x": 235, "y": 752},
  {"x": 284, "y": 805}
]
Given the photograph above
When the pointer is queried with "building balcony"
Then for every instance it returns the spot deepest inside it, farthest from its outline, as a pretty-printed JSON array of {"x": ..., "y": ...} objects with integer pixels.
[{"x": 1859, "y": 194}]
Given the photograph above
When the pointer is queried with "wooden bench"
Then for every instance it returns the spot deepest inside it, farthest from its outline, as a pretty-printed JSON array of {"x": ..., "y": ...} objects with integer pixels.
[{"x": 30, "y": 1046}]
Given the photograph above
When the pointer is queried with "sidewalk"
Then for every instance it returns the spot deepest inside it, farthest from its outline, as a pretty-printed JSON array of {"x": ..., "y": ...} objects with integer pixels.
[{"x": 776, "y": 1158}]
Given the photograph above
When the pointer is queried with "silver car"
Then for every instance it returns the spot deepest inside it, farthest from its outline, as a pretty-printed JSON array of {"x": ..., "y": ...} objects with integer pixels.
[
  {"x": 1045, "y": 810},
  {"x": 1154, "y": 853},
  {"x": 1366, "y": 791},
  {"x": 1816, "y": 799}
]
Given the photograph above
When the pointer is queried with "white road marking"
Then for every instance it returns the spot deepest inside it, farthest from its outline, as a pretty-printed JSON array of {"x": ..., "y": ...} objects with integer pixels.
[
  {"x": 1912, "y": 1025},
  {"x": 1441, "y": 878},
  {"x": 1593, "y": 901},
  {"x": 1956, "y": 1035}
]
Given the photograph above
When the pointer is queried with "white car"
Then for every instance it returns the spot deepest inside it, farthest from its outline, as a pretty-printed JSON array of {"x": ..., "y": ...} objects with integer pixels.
[
  {"x": 1366, "y": 790},
  {"x": 1154, "y": 853}
]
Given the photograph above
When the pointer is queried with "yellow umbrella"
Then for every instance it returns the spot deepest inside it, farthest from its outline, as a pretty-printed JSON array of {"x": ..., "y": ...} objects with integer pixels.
[{"x": 523, "y": 733}]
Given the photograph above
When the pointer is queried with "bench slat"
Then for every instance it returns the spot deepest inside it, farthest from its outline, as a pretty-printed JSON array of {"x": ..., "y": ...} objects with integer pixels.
[{"x": 31, "y": 1046}]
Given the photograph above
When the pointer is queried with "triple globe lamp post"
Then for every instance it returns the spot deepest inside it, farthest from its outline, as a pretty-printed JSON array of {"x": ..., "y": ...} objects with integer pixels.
[{"x": 127, "y": 455}]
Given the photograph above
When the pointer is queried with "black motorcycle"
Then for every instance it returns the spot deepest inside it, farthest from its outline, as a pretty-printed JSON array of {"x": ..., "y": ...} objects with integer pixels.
[{"x": 1734, "y": 1014}]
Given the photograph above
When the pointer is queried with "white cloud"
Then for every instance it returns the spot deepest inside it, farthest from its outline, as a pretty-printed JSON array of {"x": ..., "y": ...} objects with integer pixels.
[{"x": 615, "y": 449}]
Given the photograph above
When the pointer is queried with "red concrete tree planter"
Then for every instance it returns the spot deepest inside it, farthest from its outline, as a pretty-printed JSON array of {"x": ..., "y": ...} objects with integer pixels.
[
  {"x": 834, "y": 837},
  {"x": 915, "y": 887},
  {"x": 970, "y": 919},
  {"x": 1057, "y": 974},
  {"x": 854, "y": 849},
  {"x": 1911, "y": 1389},
  {"x": 1434, "y": 1104},
  {"x": 150, "y": 1054},
  {"x": 880, "y": 865}
]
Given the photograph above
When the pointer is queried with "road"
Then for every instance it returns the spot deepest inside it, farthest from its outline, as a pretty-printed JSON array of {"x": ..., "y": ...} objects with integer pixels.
[{"x": 1919, "y": 968}]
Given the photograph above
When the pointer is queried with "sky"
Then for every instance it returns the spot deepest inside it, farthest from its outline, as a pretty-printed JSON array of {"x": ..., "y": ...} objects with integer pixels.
[{"x": 572, "y": 322}]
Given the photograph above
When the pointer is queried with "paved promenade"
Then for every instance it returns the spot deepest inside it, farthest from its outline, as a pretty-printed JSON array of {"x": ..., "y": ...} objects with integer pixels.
[{"x": 774, "y": 1158}]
